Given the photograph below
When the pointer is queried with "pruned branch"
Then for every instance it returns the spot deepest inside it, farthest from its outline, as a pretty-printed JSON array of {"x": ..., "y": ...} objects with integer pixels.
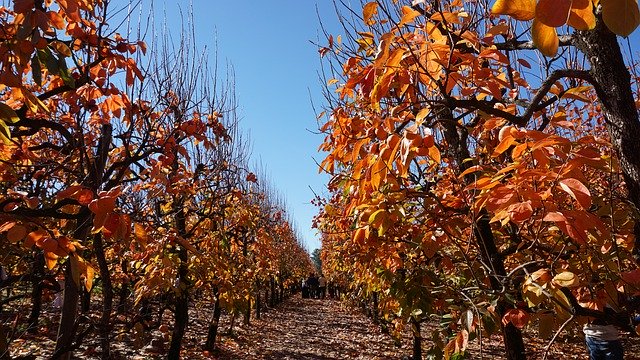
[{"x": 514, "y": 44}]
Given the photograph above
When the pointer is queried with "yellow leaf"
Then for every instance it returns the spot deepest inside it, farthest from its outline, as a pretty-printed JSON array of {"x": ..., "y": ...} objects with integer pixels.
[
  {"x": 88, "y": 277},
  {"x": 545, "y": 38},
  {"x": 377, "y": 217},
  {"x": 621, "y": 16},
  {"x": 61, "y": 48},
  {"x": 581, "y": 16},
  {"x": 553, "y": 13},
  {"x": 76, "y": 268},
  {"x": 422, "y": 114},
  {"x": 5, "y": 133},
  {"x": 8, "y": 114},
  {"x": 577, "y": 93},
  {"x": 517, "y": 9},
  {"x": 566, "y": 279}
]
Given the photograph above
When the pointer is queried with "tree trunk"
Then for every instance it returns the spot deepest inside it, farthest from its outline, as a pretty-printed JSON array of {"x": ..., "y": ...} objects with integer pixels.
[
  {"x": 104, "y": 327},
  {"x": 417, "y": 339},
  {"x": 181, "y": 312},
  {"x": 85, "y": 300},
  {"x": 210, "y": 345},
  {"x": 36, "y": 292},
  {"x": 374, "y": 311},
  {"x": 258, "y": 301},
  {"x": 513, "y": 343},
  {"x": 483, "y": 236},
  {"x": 66, "y": 329},
  {"x": 613, "y": 86},
  {"x": 272, "y": 301},
  {"x": 4, "y": 344},
  {"x": 247, "y": 313},
  {"x": 71, "y": 294},
  {"x": 232, "y": 322}
]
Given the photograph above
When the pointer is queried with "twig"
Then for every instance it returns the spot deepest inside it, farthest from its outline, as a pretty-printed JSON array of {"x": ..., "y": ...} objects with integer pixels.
[{"x": 553, "y": 339}]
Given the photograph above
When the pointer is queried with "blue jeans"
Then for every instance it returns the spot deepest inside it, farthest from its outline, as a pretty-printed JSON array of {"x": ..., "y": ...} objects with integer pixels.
[{"x": 604, "y": 350}]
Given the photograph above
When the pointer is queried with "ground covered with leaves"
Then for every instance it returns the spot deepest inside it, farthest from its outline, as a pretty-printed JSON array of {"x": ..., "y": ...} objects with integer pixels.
[{"x": 297, "y": 329}]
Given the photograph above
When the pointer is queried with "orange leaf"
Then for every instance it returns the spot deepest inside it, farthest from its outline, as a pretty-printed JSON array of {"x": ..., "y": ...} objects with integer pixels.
[
  {"x": 621, "y": 16},
  {"x": 520, "y": 212},
  {"x": 434, "y": 154},
  {"x": 56, "y": 20},
  {"x": 102, "y": 205},
  {"x": 61, "y": 48},
  {"x": 35, "y": 237},
  {"x": 545, "y": 38},
  {"x": 7, "y": 226},
  {"x": 581, "y": 16},
  {"x": 48, "y": 244},
  {"x": 518, "y": 317},
  {"x": 187, "y": 245},
  {"x": 51, "y": 260},
  {"x": 359, "y": 236},
  {"x": 470, "y": 170},
  {"x": 517, "y": 9},
  {"x": 16, "y": 234},
  {"x": 505, "y": 143},
  {"x": 408, "y": 15},
  {"x": 553, "y": 13},
  {"x": 369, "y": 11},
  {"x": 141, "y": 234},
  {"x": 578, "y": 191},
  {"x": 541, "y": 276}
]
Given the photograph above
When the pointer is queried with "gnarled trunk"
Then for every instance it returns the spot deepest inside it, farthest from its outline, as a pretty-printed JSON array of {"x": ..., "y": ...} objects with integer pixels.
[
  {"x": 104, "y": 327},
  {"x": 613, "y": 86},
  {"x": 214, "y": 325}
]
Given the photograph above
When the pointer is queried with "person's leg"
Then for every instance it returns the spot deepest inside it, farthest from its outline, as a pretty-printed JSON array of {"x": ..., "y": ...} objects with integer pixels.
[
  {"x": 604, "y": 350},
  {"x": 615, "y": 350}
]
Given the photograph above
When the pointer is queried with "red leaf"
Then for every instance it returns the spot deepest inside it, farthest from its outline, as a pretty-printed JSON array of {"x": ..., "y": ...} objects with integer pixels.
[{"x": 518, "y": 317}]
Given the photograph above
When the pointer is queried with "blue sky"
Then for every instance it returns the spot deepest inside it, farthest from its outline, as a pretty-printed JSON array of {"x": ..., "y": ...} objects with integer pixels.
[{"x": 268, "y": 43}]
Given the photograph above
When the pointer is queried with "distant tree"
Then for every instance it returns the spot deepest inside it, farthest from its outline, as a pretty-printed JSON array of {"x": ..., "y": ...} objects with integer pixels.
[{"x": 315, "y": 257}]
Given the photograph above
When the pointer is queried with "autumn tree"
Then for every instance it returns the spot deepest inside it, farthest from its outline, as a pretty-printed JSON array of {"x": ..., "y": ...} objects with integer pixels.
[
  {"x": 464, "y": 181},
  {"x": 60, "y": 111}
]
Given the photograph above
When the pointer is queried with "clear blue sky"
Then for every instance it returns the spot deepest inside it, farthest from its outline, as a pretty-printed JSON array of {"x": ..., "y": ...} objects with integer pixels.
[{"x": 276, "y": 72}]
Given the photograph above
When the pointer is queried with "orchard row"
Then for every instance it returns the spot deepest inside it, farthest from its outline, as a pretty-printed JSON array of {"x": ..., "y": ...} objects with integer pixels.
[
  {"x": 477, "y": 183},
  {"x": 125, "y": 179}
]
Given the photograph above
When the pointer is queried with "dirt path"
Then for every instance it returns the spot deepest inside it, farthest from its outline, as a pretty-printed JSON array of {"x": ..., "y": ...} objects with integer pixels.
[
  {"x": 298, "y": 329},
  {"x": 311, "y": 329}
]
